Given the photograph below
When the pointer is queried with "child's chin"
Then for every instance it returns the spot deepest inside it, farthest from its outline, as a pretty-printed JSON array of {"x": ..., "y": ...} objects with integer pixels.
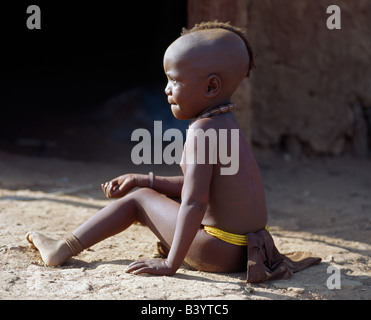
[
  {"x": 177, "y": 113},
  {"x": 179, "y": 117}
]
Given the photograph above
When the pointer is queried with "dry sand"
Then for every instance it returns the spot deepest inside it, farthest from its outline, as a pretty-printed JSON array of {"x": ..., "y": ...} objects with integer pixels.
[{"x": 320, "y": 205}]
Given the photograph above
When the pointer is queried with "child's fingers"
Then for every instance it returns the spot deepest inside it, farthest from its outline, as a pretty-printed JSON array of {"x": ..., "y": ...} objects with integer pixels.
[
  {"x": 136, "y": 266},
  {"x": 103, "y": 186},
  {"x": 133, "y": 265},
  {"x": 141, "y": 270},
  {"x": 150, "y": 266},
  {"x": 117, "y": 187},
  {"x": 107, "y": 189}
]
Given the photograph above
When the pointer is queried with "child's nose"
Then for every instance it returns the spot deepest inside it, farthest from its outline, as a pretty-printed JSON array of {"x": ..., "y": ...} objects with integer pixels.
[{"x": 168, "y": 90}]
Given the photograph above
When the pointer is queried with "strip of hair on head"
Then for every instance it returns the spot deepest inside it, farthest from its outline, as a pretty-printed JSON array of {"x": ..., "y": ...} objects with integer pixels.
[{"x": 227, "y": 26}]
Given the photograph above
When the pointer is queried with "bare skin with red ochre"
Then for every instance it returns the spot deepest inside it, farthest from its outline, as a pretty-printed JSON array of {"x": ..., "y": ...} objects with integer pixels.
[{"x": 197, "y": 81}]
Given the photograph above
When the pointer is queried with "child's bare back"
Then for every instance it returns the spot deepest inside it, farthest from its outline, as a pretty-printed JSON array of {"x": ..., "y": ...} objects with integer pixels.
[{"x": 236, "y": 201}]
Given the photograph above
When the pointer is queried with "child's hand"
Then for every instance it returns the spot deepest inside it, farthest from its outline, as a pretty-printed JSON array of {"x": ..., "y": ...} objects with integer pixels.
[
  {"x": 156, "y": 267},
  {"x": 119, "y": 186}
]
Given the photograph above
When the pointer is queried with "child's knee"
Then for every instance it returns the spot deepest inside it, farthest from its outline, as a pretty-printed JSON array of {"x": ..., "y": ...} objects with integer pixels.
[
  {"x": 142, "y": 192},
  {"x": 140, "y": 195}
]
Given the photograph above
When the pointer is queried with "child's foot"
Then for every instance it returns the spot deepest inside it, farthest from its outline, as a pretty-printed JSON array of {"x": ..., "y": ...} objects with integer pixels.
[{"x": 53, "y": 252}]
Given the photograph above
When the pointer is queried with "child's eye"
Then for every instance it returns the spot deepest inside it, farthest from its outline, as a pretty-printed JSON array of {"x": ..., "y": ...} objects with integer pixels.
[{"x": 172, "y": 80}]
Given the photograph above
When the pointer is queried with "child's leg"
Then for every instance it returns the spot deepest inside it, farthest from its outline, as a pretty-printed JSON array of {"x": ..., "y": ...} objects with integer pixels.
[{"x": 146, "y": 206}]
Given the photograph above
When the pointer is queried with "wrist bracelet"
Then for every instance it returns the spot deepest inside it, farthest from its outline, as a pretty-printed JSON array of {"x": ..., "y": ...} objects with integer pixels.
[{"x": 151, "y": 178}]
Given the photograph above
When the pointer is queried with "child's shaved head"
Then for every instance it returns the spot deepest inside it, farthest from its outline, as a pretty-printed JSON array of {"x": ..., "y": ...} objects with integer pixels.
[
  {"x": 214, "y": 48},
  {"x": 227, "y": 26}
]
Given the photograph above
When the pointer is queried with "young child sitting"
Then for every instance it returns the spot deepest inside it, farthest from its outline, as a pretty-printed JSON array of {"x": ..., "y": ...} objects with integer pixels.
[{"x": 209, "y": 228}]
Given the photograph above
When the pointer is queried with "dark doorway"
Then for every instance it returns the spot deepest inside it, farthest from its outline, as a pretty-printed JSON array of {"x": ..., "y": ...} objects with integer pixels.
[{"x": 82, "y": 56}]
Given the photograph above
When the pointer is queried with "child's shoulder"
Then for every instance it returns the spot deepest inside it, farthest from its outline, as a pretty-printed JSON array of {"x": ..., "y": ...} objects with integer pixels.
[
  {"x": 203, "y": 124},
  {"x": 215, "y": 123}
]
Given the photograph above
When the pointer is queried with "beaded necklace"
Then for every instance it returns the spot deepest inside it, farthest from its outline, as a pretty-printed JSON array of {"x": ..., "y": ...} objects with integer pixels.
[{"x": 215, "y": 111}]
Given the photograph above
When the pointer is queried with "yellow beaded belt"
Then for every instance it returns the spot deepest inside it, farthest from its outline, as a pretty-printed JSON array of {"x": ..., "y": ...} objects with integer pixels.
[{"x": 236, "y": 239}]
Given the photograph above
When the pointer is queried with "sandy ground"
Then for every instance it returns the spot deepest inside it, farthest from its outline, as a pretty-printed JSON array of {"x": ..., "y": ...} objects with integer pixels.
[{"x": 319, "y": 205}]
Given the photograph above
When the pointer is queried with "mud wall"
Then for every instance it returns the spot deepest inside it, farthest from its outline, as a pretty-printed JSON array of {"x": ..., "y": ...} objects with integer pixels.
[{"x": 311, "y": 90}]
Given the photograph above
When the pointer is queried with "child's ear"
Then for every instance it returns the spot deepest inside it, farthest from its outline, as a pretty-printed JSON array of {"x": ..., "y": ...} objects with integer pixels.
[{"x": 214, "y": 85}]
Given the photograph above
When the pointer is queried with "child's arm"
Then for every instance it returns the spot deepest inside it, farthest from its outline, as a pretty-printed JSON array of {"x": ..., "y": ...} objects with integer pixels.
[
  {"x": 169, "y": 186},
  {"x": 120, "y": 186},
  {"x": 195, "y": 198}
]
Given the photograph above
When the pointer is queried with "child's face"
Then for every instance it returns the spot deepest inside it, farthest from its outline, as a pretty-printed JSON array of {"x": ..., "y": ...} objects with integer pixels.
[
  {"x": 203, "y": 70},
  {"x": 185, "y": 88}
]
